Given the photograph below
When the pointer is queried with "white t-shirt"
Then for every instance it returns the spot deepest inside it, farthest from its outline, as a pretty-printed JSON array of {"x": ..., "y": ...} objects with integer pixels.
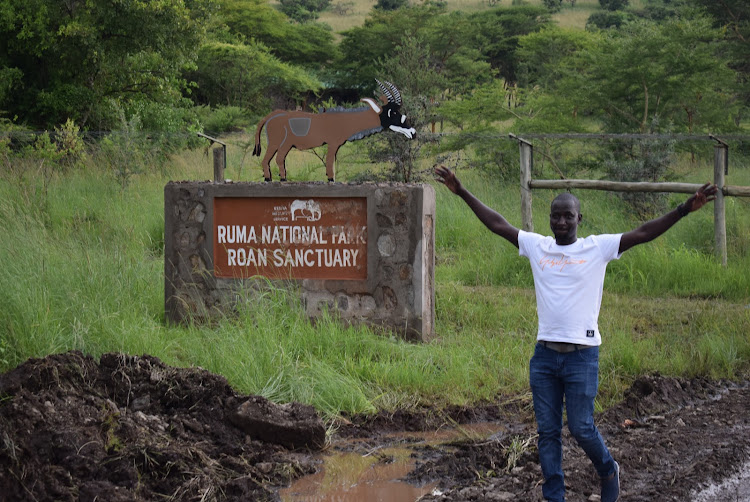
[{"x": 569, "y": 281}]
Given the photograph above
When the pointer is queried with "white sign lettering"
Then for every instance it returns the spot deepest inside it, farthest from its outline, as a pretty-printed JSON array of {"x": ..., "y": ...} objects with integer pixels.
[{"x": 306, "y": 238}]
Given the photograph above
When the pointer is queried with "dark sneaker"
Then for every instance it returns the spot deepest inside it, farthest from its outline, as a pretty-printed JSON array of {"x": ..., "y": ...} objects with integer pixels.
[{"x": 611, "y": 486}]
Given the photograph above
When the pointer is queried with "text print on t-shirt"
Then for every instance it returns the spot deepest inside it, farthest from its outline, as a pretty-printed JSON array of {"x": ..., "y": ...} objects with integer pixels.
[{"x": 561, "y": 261}]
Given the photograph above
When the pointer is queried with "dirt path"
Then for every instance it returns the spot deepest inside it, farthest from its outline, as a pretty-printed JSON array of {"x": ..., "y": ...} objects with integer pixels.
[
  {"x": 132, "y": 428},
  {"x": 672, "y": 438}
]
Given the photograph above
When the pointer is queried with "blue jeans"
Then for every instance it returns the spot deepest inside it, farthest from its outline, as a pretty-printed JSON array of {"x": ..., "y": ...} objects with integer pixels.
[{"x": 574, "y": 376}]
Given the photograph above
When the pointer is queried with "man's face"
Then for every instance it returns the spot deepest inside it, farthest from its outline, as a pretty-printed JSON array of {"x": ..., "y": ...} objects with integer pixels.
[{"x": 564, "y": 218}]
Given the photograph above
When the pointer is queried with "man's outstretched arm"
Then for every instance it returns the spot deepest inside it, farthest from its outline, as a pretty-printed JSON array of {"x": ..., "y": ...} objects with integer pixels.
[
  {"x": 654, "y": 228},
  {"x": 491, "y": 218}
]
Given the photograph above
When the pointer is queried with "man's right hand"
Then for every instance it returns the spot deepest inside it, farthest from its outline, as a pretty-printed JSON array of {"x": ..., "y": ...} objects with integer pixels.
[
  {"x": 491, "y": 218},
  {"x": 447, "y": 178}
]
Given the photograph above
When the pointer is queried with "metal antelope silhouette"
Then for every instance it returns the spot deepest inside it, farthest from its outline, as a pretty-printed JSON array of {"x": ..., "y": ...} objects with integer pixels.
[{"x": 302, "y": 130}]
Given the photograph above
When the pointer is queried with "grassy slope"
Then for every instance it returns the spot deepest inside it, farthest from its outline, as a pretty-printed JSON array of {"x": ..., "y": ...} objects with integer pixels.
[
  {"x": 83, "y": 270},
  {"x": 571, "y": 17}
]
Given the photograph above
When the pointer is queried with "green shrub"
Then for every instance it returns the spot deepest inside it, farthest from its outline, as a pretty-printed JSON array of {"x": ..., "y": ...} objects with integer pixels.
[
  {"x": 222, "y": 119},
  {"x": 613, "y": 4},
  {"x": 303, "y": 10},
  {"x": 126, "y": 151},
  {"x": 553, "y": 5},
  {"x": 605, "y": 20},
  {"x": 391, "y": 4},
  {"x": 641, "y": 160},
  {"x": 69, "y": 143}
]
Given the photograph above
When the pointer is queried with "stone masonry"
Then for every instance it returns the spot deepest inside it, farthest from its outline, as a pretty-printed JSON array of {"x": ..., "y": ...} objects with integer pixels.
[{"x": 398, "y": 291}]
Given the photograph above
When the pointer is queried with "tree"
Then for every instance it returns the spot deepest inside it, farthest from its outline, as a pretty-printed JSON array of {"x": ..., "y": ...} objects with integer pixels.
[
  {"x": 377, "y": 39},
  {"x": 612, "y": 5},
  {"x": 412, "y": 70},
  {"x": 248, "y": 76},
  {"x": 648, "y": 78},
  {"x": 556, "y": 5},
  {"x": 660, "y": 10},
  {"x": 309, "y": 44},
  {"x": 476, "y": 116},
  {"x": 449, "y": 38},
  {"x": 733, "y": 16},
  {"x": 496, "y": 33},
  {"x": 675, "y": 70},
  {"x": 553, "y": 5},
  {"x": 458, "y": 47},
  {"x": 9, "y": 79},
  {"x": 541, "y": 52},
  {"x": 642, "y": 159},
  {"x": 391, "y": 4},
  {"x": 606, "y": 20},
  {"x": 468, "y": 49},
  {"x": 68, "y": 59},
  {"x": 303, "y": 10}
]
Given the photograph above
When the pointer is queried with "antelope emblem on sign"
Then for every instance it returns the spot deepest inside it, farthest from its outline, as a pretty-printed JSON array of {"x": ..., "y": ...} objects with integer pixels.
[{"x": 302, "y": 130}]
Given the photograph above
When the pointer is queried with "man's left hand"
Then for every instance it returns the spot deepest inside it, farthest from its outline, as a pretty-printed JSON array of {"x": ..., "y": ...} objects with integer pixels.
[{"x": 705, "y": 194}]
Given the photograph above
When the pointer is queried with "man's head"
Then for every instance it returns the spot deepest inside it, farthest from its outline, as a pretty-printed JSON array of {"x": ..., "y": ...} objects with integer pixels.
[{"x": 564, "y": 217}]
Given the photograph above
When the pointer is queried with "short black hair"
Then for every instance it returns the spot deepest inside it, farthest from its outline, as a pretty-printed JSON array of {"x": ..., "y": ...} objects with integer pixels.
[{"x": 567, "y": 196}]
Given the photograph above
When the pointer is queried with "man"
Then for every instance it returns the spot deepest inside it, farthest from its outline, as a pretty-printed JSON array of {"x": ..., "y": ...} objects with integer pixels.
[{"x": 568, "y": 279}]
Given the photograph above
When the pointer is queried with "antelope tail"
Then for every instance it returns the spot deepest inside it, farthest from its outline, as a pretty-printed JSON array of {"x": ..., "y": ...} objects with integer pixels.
[{"x": 256, "y": 150}]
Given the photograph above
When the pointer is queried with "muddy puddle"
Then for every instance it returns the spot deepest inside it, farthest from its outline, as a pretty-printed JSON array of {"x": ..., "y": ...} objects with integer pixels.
[
  {"x": 355, "y": 471},
  {"x": 735, "y": 488}
]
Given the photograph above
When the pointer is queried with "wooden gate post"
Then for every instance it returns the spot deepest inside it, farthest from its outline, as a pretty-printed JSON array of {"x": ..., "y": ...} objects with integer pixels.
[
  {"x": 220, "y": 157},
  {"x": 527, "y": 162},
  {"x": 721, "y": 151},
  {"x": 220, "y": 162}
]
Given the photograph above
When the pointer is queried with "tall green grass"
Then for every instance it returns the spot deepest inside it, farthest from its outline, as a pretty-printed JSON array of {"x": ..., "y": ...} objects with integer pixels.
[
  {"x": 669, "y": 306},
  {"x": 681, "y": 262},
  {"x": 83, "y": 269}
]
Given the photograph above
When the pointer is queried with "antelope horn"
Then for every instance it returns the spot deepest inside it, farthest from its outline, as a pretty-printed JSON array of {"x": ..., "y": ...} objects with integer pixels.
[
  {"x": 396, "y": 94},
  {"x": 385, "y": 91}
]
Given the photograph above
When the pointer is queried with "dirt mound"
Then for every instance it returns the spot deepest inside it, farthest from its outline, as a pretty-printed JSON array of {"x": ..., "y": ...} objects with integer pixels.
[
  {"x": 131, "y": 428},
  {"x": 655, "y": 394}
]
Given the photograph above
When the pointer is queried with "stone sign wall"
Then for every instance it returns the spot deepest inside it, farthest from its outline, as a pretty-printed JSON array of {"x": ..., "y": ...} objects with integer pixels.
[{"x": 363, "y": 251}]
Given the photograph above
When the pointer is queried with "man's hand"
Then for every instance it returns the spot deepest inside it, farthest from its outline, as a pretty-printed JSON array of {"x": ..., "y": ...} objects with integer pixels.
[
  {"x": 447, "y": 178},
  {"x": 654, "y": 228},
  {"x": 705, "y": 194},
  {"x": 491, "y": 218}
]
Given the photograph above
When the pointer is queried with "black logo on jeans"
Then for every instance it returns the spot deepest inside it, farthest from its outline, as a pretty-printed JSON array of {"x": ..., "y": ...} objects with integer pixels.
[{"x": 589, "y": 333}]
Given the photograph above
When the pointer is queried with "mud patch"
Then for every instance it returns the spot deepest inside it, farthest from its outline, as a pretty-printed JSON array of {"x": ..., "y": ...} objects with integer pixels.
[
  {"x": 131, "y": 428},
  {"x": 672, "y": 438}
]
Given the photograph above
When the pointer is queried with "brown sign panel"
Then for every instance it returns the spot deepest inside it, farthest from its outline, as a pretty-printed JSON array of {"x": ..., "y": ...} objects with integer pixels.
[{"x": 290, "y": 238}]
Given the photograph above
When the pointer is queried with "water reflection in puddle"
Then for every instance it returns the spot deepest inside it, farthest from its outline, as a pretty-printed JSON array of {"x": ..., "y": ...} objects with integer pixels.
[
  {"x": 376, "y": 475},
  {"x": 348, "y": 477}
]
